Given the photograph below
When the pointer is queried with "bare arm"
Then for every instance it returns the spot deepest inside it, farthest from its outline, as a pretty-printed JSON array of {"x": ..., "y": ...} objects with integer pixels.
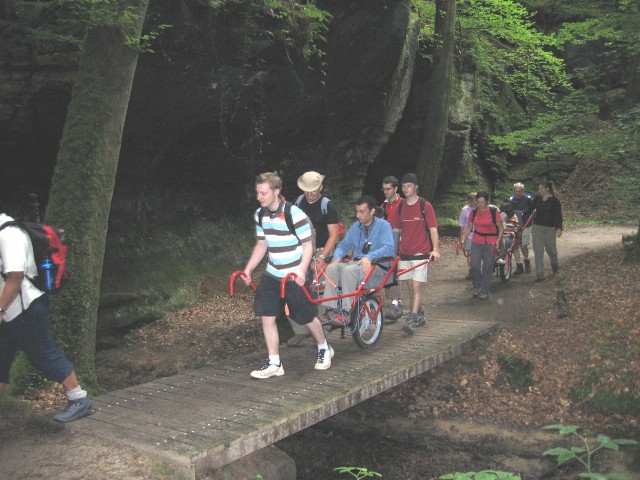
[
  {"x": 254, "y": 260},
  {"x": 11, "y": 290},
  {"x": 332, "y": 241},
  {"x": 435, "y": 241}
]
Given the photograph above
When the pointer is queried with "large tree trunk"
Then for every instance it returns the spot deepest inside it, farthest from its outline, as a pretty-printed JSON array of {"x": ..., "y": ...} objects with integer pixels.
[
  {"x": 84, "y": 177},
  {"x": 433, "y": 143}
]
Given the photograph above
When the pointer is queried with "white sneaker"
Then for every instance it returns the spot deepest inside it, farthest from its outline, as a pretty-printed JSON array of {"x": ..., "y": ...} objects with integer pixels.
[
  {"x": 267, "y": 371},
  {"x": 501, "y": 261},
  {"x": 324, "y": 359}
]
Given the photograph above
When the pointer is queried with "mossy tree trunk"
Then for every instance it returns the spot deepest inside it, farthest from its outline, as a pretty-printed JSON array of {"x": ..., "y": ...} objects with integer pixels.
[
  {"x": 84, "y": 177},
  {"x": 433, "y": 143}
]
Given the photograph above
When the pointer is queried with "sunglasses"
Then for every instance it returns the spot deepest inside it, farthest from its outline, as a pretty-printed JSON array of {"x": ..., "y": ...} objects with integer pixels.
[{"x": 366, "y": 247}]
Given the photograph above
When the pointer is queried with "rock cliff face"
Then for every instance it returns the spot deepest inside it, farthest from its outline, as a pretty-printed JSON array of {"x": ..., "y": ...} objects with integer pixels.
[{"x": 224, "y": 97}]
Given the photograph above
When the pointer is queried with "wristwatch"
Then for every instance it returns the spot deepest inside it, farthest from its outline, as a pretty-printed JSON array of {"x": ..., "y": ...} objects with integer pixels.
[{"x": 322, "y": 257}]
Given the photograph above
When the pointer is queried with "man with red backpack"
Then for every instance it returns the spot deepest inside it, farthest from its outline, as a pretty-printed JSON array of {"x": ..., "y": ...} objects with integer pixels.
[
  {"x": 416, "y": 222},
  {"x": 24, "y": 322}
]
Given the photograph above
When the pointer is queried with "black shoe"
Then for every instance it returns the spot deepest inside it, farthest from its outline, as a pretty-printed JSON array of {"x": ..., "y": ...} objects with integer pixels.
[
  {"x": 555, "y": 268},
  {"x": 527, "y": 265},
  {"x": 469, "y": 276},
  {"x": 519, "y": 269},
  {"x": 394, "y": 313}
]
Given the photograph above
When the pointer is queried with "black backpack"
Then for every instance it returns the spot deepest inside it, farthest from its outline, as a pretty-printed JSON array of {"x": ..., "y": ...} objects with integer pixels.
[
  {"x": 288, "y": 218},
  {"x": 494, "y": 214},
  {"x": 48, "y": 243}
]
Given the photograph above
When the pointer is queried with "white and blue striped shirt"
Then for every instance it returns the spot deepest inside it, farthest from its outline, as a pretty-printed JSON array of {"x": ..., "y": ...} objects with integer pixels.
[{"x": 285, "y": 251}]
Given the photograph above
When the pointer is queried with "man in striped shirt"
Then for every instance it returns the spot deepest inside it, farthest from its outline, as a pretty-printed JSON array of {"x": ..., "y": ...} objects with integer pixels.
[{"x": 288, "y": 251}]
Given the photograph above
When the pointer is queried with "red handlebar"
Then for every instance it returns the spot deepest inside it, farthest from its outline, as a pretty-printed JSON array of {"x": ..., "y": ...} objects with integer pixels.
[{"x": 232, "y": 280}]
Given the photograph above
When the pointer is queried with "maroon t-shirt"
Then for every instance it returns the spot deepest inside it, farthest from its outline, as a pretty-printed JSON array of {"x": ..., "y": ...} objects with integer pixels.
[{"x": 414, "y": 239}]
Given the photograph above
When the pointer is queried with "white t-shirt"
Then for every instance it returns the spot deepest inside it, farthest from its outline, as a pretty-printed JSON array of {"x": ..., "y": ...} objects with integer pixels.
[
  {"x": 16, "y": 255},
  {"x": 464, "y": 218}
]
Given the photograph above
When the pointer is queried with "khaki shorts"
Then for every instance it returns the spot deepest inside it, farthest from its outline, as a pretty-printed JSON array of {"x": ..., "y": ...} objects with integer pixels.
[
  {"x": 526, "y": 236},
  {"x": 418, "y": 274}
]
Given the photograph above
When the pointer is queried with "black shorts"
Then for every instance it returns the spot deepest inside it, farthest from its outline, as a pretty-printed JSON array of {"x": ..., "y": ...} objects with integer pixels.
[{"x": 268, "y": 303}]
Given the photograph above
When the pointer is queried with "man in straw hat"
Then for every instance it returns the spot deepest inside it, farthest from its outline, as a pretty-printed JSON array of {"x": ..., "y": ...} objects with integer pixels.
[{"x": 325, "y": 220}]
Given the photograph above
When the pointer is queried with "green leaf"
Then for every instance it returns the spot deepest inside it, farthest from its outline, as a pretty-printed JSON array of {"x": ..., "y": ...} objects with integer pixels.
[
  {"x": 556, "y": 451},
  {"x": 562, "y": 429},
  {"x": 593, "y": 476}
]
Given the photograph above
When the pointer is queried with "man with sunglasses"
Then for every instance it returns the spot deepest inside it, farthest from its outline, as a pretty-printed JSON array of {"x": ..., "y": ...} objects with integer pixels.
[
  {"x": 370, "y": 239},
  {"x": 390, "y": 205}
]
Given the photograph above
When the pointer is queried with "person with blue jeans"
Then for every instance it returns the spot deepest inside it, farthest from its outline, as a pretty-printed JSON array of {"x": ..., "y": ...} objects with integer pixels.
[
  {"x": 488, "y": 233},
  {"x": 25, "y": 325},
  {"x": 369, "y": 239}
]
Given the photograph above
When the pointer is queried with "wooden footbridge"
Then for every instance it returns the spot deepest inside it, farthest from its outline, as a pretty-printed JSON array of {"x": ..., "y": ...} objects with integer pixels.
[{"x": 207, "y": 418}]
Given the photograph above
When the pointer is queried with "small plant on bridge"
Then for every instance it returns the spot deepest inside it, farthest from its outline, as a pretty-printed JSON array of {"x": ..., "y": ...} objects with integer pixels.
[
  {"x": 358, "y": 472},
  {"x": 584, "y": 453},
  {"x": 483, "y": 475}
]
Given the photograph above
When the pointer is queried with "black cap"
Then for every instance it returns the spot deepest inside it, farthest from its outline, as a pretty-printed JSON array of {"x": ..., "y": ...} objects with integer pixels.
[{"x": 409, "y": 178}]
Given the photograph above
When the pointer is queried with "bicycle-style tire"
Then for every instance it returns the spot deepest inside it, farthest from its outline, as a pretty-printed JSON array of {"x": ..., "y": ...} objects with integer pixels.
[
  {"x": 365, "y": 330},
  {"x": 506, "y": 270}
]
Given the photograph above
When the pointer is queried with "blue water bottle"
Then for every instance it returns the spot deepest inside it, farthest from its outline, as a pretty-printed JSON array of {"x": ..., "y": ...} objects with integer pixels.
[{"x": 48, "y": 277}]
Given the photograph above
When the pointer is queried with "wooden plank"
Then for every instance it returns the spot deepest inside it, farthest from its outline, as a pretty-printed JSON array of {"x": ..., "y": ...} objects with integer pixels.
[{"x": 209, "y": 417}]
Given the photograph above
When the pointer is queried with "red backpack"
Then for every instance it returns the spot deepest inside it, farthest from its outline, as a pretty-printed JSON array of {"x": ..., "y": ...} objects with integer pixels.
[{"x": 48, "y": 243}]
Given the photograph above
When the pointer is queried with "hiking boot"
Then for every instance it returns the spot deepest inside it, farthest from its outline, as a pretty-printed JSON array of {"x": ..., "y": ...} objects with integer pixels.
[
  {"x": 469, "y": 276},
  {"x": 324, "y": 359},
  {"x": 483, "y": 296},
  {"x": 75, "y": 409},
  {"x": 476, "y": 292},
  {"x": 527, "y": 265},
  {"x": 413, "y": 321},
  {"x": 268, "y": 370},
  {"x": 555, "y": 268},
  {"x": 394, "y": 313},
  {"x": 420, "y": 320},
  {"x": 297, "y": 339},
  {"x": 539, "y": 279},
  {"x": 333, "y": 317},
  {"x": 519, "y": 269}
]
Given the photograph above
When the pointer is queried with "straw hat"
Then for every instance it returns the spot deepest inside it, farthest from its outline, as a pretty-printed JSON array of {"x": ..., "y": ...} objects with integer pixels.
[{"x": 310, "y": 181}]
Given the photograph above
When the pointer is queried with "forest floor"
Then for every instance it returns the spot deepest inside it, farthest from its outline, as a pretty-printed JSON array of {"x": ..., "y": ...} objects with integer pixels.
[{"x": 462, "y": 416}]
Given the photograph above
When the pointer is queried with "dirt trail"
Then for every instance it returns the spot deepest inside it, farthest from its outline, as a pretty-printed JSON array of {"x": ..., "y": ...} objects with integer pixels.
[{"x": 46, "y": 450}]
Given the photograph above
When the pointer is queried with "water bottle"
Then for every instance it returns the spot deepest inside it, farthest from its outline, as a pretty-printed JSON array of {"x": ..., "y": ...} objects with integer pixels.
[{"x": 48, "y": 277}]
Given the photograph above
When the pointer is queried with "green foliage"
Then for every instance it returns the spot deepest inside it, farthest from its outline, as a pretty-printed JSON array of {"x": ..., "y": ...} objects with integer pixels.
[
  {"x": 357, "y": 472},
  {"x": 586, "y": 449},
  {"x": 303, "y": 24},
  {"x": 69, "y": 20},
  {"x": 483, "y": 475},
  {"x": 507, "y": 48},
  {"x": 503, "y": 43}
]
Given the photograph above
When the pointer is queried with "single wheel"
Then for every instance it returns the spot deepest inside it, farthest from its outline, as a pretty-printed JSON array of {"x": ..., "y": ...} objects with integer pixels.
[
  {"x": 366, "y": 322},
  {"x": 506, "y": 269}
]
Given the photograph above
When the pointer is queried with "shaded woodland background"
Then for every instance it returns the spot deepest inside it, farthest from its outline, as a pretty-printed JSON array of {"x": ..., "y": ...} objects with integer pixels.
[{"x": 225, "y": 89}]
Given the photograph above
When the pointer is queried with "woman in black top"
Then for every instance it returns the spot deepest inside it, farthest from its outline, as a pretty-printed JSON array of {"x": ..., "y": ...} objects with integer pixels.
[{"x": 547, "y": 226}]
